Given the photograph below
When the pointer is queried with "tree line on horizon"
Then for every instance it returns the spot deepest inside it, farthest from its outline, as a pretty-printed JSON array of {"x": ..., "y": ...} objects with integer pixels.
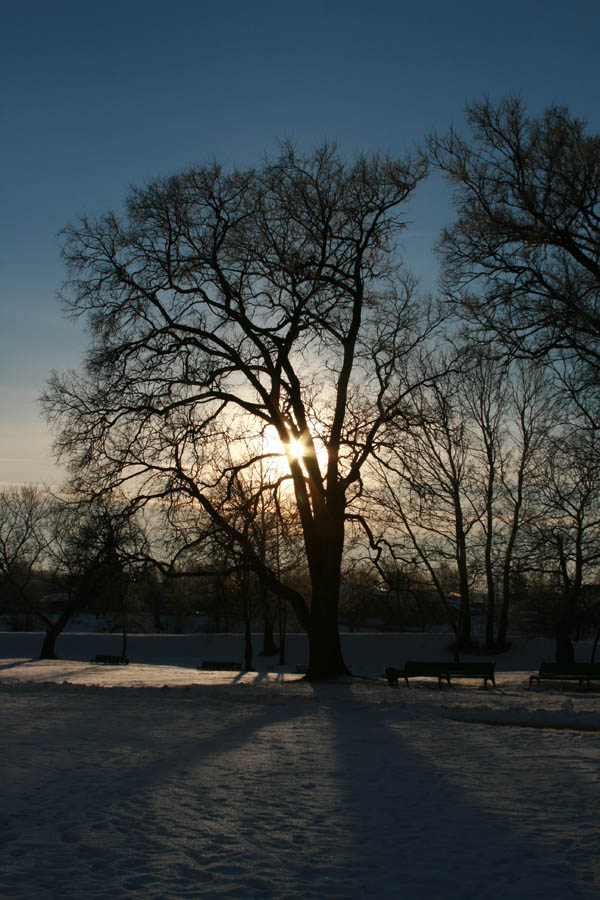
[{"x": 259, "y": 356}]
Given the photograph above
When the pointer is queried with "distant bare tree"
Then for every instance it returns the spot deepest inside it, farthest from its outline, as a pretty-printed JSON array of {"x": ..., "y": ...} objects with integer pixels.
[
  {"x": 510, "y": 411},
  {"x": 458, "y": 484},
  {"x": 567, "y": 528},
  {"x": 96, "y": 550},
  {"x": 528, "y": 424},
  {"x": 425, "y": 470},
  {"x": 484, "y": 402},
  {"x": 56, "y": 557},
  {"x": 25, "y": 514}
]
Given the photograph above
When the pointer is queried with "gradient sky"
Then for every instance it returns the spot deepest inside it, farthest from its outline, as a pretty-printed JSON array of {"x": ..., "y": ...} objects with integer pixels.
[{"x": 98, "y": 96}]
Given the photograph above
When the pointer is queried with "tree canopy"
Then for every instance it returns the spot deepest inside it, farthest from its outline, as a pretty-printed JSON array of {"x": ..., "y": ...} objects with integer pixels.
[
  {"x": 523, "y": 257},
  {"x": 267, "y": 304}
]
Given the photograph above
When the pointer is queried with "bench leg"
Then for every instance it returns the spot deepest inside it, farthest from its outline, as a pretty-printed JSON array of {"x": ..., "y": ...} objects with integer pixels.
[{"x": 392, "y": 677}]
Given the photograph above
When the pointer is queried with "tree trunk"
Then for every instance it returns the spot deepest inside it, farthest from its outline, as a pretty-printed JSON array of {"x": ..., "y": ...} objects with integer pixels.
[
  {"x": 491, "y": 597},
  {"x": 324, "y": 553},
  {"x": 158, "y": 625},
  {"x": 124, "y": 644},
  {"x": 503, "y": 621},
  {"x": 269, "y": 646},
  {"x": 506, "y": 597},
  {"x": 463, "y": 636},
  {"x": 489, "y": 540},
  {"x": 47, "y": 651},
  {"x": 247, "y": 608},
  {"x": 247, "y": 643},
  {"x": 594, "y": 646},
  {"x": 564, "y": 630},
  {"x": 564, "y": 645},
  {"x": 325, "y": 658},
  {"x": 491, "y": 614},
  {"x": 464, "y": 629},
  {"x": 282, "y": 630},
  {"x": 53, "y": 629},
  {"x": 568, "y": 617}
]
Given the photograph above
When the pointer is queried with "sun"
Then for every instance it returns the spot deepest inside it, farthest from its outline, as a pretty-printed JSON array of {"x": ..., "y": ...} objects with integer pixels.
[
  {"x": 292, "y": 449},
  {"x": 278, "y": 452},
  {"x": 296, "y": 449}
]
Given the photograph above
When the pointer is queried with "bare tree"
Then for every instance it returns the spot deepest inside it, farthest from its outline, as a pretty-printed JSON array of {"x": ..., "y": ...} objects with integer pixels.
[
  {"x": 484, "y": 404},
  {"x": 523, "y": 258},
  {"x": 97, "y": 549},
  {"x": 425, "y": 471},
  {"x": 25, "y": 514},
  {"x": 510, "y": 409},
  {"x": 227, "y": 303},
  {"x": 458, "y": 484},
  {"x": 530, "y": 417},
  {"x": 566, "y": 530},
  {"x": 57, "y": 556}
]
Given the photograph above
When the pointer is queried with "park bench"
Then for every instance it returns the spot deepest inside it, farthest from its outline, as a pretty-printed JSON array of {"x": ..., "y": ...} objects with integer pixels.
[
  {"x": 577, "y": 671},
  {"x": 219, "y": 665},
  {"x": 442, "y": 671},
  {"x": 105, "y": 659}
]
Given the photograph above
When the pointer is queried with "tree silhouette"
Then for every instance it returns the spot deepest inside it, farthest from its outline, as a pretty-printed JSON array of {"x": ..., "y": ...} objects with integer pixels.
[{"x": 226, "y": 305}]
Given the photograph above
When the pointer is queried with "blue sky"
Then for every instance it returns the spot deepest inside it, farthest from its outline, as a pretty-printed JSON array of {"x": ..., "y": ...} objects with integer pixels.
[{"x": 96, "y": 97}]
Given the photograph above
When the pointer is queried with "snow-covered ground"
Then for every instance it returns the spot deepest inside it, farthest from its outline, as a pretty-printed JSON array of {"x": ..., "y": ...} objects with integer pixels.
[{"x": 161, "y": 782}]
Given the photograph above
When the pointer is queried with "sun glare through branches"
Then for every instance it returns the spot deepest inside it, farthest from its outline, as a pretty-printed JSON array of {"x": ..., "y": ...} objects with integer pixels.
[
  {"x": 296, "y": 449},
  {"x": 292, "y": 449}
]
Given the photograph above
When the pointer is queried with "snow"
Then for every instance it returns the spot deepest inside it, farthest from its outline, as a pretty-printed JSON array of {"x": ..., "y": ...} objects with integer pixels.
[{"x": 159, "y": 781}]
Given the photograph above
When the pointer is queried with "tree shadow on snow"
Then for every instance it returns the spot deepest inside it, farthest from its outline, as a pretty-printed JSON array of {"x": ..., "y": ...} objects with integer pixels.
[
  {"x": 309, "y": 794},
  {"x": 15, "y": 664},
  {"x": 419, "y": 814}
]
